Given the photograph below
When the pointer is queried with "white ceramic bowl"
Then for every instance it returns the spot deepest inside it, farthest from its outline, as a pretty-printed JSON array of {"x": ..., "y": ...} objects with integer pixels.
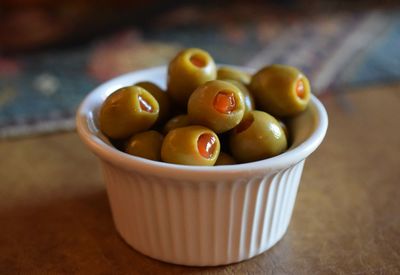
[{"x": 194, "y": 215}]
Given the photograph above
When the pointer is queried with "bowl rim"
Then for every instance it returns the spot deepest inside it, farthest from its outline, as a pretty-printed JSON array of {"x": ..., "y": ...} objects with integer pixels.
[{"x": 128, "y": 162}]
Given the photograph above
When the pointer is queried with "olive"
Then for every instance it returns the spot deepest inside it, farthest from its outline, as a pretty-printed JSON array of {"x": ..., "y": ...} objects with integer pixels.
[
  {"x": 280, "y": 90},
  {"x": 257, "y": 137},
  {"x": 217, "y": 104},
  {"x": 161, "y": 97},
  {"x": 188, "y": 70},
  {"x": 176, "y": 122},
  {"x": 225, "y": 73},
  {"x": 248, "y": 98},
  {"x": 127, "y": 111},
  {"x": 191, "y": 145},
  {"x": 146, "y": 145},
  {"x": 225, "y": 159}
]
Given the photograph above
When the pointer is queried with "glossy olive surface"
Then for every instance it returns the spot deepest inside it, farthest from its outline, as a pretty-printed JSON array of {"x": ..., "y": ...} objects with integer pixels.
[
  {"x": 161, "y": 97},
  {"x": 225, "y": 73},
  {"x": 280, "y": 90},
  {"x": 178, "y": 121},
  {"x": 257, "y": 137},
  {"x": 127, "y": 111},
  {"x": 249, "y": 104},
  {"x": 191, "y": 145},
  {"x": 217, "y": 104},
  {"x": 188, "y": 70},
  {"x": 285, "y": 129},
  {"x": 225, "y": 159}
]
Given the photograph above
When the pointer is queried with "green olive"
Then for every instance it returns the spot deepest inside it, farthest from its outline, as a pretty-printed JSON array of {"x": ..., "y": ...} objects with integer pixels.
[
  {"x": 225, "y": 159},
  {"x": 257, "y": 137},
  {"x": 127, "y": 111},
  {"x": 161, "y": 97},
  {"x": 188, "y": 70},
  {"x": 146, "y": 145},
  {"x": 225, "y": 73},
  {"x": 280, "y": 90},
  {"x": 217, "y": 104},
  {"x": 191, "y": 145},
  {"x": 248, "y": 98},
  {"x": 176, "y": 122}
]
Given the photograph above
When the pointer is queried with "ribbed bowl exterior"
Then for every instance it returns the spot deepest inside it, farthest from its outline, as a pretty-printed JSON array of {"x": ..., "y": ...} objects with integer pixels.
[{"x": 201, "y": 223}]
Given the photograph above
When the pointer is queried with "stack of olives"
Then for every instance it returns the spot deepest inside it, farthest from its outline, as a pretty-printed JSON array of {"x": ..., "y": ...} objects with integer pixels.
[{"x": 208, "y": 115}]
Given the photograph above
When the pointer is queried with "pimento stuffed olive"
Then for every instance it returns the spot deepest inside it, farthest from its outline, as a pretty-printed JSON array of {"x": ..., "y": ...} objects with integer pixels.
[
  {"x": 188, "y": 70},
  {"x": 281, "y": 90},
  {"x": 192, "y": 145},
  {"x": 127, "y": 111},
  {"x": 218, "y": 105}
]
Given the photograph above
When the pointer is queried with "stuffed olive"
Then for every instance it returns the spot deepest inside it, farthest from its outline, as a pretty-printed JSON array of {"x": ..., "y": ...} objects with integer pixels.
[
  {"x": 188, "y": 70},
  {"x": 191, "y": 145},
  {"x": 218, "y": 105},
  {"x": 280, "y": 90},
  {"x": 127, "y": 111}
]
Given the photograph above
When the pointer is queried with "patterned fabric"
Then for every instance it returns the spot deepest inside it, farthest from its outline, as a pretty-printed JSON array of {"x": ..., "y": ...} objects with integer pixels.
[{"x": 40, "y": 92}]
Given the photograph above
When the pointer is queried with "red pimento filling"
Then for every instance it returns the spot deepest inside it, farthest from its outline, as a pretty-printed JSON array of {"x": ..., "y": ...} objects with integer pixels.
[
  {"x": 206, "y": 145},
  {"x": 198, "y": 61},
  {"x": 224, "y": 102},
  {"x": 144, "y": 105},
  {"x": 300, "y": 89}
]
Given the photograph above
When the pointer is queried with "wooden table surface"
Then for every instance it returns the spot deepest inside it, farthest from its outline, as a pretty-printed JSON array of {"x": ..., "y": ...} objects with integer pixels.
[{"x": 55, "y": 217}]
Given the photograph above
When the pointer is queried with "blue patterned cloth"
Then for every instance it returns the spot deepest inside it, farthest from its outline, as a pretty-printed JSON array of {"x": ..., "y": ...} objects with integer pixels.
[
  {"x": 381, "y": 61},
  {"x": 40, "y": 92}
]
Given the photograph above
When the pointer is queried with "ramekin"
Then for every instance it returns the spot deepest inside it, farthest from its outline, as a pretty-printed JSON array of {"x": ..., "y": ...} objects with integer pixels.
[{"x": 199, "y": 216}]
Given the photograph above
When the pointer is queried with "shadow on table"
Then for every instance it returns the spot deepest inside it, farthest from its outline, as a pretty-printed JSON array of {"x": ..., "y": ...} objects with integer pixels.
[{"x": 77, "y": 235}]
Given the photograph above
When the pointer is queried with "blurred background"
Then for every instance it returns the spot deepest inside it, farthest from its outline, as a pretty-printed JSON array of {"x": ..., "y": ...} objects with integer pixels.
[{"x": 52, "y": 53}]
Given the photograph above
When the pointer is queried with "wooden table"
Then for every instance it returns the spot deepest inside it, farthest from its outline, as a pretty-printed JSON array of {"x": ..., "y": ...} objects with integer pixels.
[{"x": 55, "y": 218}]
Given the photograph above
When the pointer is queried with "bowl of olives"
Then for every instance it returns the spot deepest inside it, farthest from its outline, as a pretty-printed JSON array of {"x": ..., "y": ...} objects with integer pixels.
[{"x": 201, "y": 161}]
